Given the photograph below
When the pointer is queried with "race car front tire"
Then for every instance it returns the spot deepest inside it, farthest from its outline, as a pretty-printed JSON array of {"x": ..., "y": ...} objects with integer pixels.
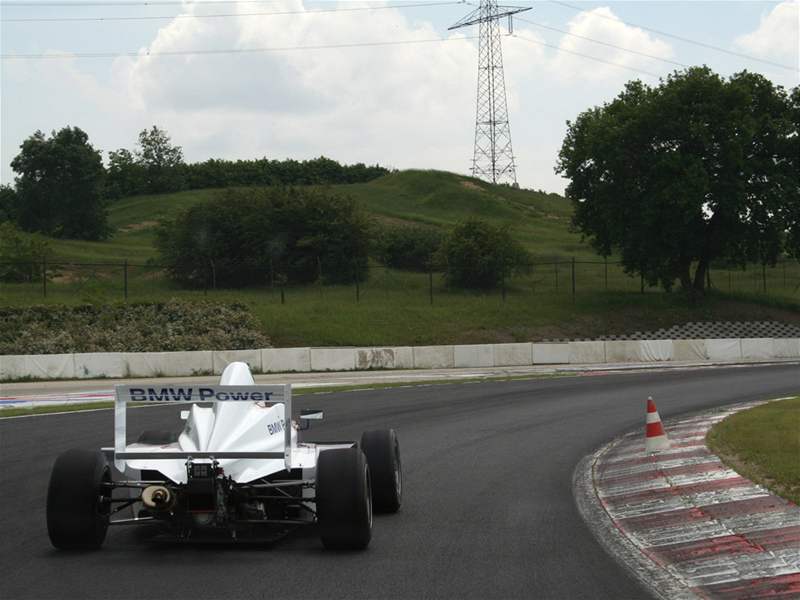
[
  {"x": 383, "y": 456},
  {"x": 344, "y": 499},
  {"x": 78, "y": 500}
]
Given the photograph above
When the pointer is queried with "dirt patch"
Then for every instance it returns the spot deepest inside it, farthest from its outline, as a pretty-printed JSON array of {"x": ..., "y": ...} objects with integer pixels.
[
  {"x": 471, "y": 185},
  {"x": 139, "y": 226}
]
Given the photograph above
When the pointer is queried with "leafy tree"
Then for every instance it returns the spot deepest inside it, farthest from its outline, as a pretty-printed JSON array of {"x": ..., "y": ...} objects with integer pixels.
[
  {"x": 407, "y": 247},
  {"x": 8, "y": 200},
  {"x": 676, "y": 176},
  {"x": 60, "y": 186},
  {"x": 160, "y": 160},
  {"x": 125, "y": 176},
  {"x": 21, "y": 254},
  {"x": 480, "y": 255},
  {"x": 252, "y": 236}
]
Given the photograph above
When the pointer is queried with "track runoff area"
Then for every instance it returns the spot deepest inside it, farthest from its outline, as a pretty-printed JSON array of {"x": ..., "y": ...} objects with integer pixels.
[{"x": 489, "y": 508}]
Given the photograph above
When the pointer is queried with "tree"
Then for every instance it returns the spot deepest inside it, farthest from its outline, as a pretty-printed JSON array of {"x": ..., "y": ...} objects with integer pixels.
[
  {"x": 406, "y": 246},
  {"x": 160, "y": 160},
  {"x": 21, "y": 254},
  {"x": 8, "y": 201},
  {"x": 256, "y": 235},
  {"x": 124, "y": 176},
  {"x": 60, "y": 186},
  {"x": 479, "y": 255},
  {"x": 676, "y": 176}
]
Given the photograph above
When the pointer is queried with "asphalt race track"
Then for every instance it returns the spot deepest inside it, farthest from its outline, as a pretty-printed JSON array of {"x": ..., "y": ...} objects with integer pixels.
[{"x": 488, "y": 509}]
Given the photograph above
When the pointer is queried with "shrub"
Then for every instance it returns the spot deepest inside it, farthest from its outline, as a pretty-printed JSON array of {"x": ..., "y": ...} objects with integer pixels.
[
  {"x": 21, "y": 254},
  {"x": 406, "y": 247},
  {"x": 151, "y": 327},
  {"x": 252, "y": 236},
  {"x": 479, "y": 255}
]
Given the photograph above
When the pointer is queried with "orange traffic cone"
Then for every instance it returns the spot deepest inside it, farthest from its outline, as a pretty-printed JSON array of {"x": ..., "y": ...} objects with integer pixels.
[{"x": 655, "y": 438}]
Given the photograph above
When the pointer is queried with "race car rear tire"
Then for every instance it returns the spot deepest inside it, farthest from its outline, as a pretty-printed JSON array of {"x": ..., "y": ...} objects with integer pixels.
[
  {"x": 382, "y": 450},
  {"x": 344, "y": 499},
  {"x": 155, "y": 437},
  {"x": 78, "y": 502}
]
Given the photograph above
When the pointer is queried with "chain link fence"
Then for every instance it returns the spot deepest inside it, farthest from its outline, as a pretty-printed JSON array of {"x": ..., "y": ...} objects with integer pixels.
[{"x": 115, "y": 281}]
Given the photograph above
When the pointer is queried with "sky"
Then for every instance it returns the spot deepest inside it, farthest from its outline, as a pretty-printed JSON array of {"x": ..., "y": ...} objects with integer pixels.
[{"x": 408, "y": 105}]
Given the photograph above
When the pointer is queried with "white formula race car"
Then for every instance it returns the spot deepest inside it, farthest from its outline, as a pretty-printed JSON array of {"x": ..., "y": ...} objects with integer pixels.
[{"x": 237, "y": 470}]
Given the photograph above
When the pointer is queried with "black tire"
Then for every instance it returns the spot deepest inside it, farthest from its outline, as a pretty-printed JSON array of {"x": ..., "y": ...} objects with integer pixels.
[
  {"x": 344, "y": 500},
  {"x": 157, "y": 438},
  {"x": 383, "y": 456},
  {"x": 78, "y": 503}
]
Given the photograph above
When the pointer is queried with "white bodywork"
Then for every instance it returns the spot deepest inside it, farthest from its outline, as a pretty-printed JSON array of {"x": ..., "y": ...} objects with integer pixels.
[{"x": 232, "y": 426}]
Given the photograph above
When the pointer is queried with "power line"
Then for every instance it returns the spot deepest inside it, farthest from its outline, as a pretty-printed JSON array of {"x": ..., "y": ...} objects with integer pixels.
[
  {"x": 602, "y": 43},
  {"x": 587, "y": 56},
  {"x": 681, "y": 38},
  {"x": 140, "y": 3},
  {"x": 225, "y": 15},
  {"x": 230, "y": 50}
]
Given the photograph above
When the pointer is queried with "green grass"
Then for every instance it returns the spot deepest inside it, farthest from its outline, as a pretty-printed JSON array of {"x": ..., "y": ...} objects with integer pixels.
[
  {"x": 539, "y": 220},
  {"x": 763, "y": 444},
  {"x": 394, "y": 306}
]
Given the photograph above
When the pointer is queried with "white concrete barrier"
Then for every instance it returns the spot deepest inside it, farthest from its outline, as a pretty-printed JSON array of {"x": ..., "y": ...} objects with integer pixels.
[
  {"x": 724, "y": 349},
  {"x": 401, "y": 357},
  {"x": 222, "y": 358},
  {"x": 273, "y": 360},
  {"x": 656, "y": 350},
  {"x": 37, "y": 366},
  {"x": 757, "y": 348},
  {"x": 281, "y": 360},
  {"x": 550, "y": 354},
  {"x": 433, "y": 357},
  {"x": 689, "y": 350},
  {"x": 621, "y": 351},
  {"x": 473, "y": 355},
  {"x": 168, "y": 364},
  {"x": 513, "y": 355},
  {"x": 333, "y": 359},
  {"x": 587, "y": 352},
  {"x": 786, "y": 347},
  {"x": 99, "y": 364}
]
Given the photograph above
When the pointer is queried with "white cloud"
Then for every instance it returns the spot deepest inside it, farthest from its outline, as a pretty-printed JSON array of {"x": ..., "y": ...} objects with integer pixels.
[
  {"x": 603, "y": 25},
  {"x": 393, "y": 104},
  {"x": 777, "y": 36}
]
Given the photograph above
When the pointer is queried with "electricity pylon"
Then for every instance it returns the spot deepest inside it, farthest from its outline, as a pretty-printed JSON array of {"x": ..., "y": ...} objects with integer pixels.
[{"x": 493, "y": 158}]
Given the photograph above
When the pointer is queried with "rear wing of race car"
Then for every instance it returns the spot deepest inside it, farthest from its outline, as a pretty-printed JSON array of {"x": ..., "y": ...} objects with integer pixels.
[{"x": 174, "y": 394}]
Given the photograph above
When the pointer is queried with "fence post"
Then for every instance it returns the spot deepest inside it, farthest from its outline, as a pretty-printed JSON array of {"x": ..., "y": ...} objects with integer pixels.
[
  {"x": 319, "y": 275},
  {"x": 605, "y": 263},
  {"x": 358, "y": 288},
  {"x": 126, "y": 280},
  {"x": 556, "y": 271},
  {"x": 764, "y": 275},
  {"x": 430, "y": 284},
  {"x": 44, "y": 277},
  {"x": 641, "y": 282},
  {"x": 573, "y": 280},
  {"x": 708, "y": 277}
]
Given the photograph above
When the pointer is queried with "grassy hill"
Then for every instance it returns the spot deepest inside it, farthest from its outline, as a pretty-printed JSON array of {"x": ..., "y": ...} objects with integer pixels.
[
  {"x": 539, "y": 220},
  {"x": 397, "y": 307}
]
